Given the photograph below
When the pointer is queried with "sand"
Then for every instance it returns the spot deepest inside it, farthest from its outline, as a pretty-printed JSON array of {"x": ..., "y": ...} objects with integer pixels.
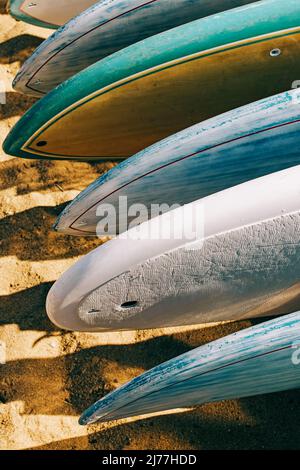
[{"x": 50, "y": 376}]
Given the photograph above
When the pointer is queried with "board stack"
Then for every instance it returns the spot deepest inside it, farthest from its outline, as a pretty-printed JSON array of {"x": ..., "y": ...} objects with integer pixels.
[{"x": 197, "y": 102}]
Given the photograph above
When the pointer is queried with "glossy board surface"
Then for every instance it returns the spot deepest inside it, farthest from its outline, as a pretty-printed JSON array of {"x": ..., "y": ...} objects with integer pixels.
[
  {"x": 103, "y": 29},
  {"x": 164, "y": 84}
]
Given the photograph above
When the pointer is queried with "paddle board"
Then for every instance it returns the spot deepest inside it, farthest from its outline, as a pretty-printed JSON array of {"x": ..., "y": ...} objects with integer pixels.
[
  {"x": 163, "y": 84},
  {"x": 232, "y": 255},
  {"x": 222, "y": 152},
  {"x": 257, "y": 360},
  {"x": 47, "y": 13},
  {"x": 102, "y": 30}
]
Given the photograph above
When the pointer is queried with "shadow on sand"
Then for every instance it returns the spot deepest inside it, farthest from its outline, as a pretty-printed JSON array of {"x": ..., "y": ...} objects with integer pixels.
[
  {"x": 264, "y": 422},
  {"x": 19, "y": 48}
]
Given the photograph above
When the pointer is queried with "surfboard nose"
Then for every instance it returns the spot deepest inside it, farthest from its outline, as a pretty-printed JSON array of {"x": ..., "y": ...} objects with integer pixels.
[
  {"x": 52, "y": 304},
  {"x": 103, "y": 410},
  {"x": 16, "y": 84},
  {"x": 15, "y": 140},
  {"x": 7, "y": 144},
  {"x": 19, "y": 136},
  {"x": 58, "y": 226},
  {"x": 20, "y": 82}
]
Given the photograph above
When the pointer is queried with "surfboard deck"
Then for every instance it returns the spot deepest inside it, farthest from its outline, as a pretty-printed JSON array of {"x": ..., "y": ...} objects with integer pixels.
[
  {"x": 258, "y": 360},
  {"x": 45, "y": 13},
  {"x": 224, "y": 257},
  {"x": 222, "y": 152},
  {"x": 103, "y": 29},
  {"x": 164, "y": 84}
]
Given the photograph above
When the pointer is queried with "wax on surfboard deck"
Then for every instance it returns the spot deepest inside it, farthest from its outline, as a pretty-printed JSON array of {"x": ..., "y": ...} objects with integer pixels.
[
  {"x": 102, "y": 30},
  {"x": 232, "y": 255},
  {"x": 47, "y": 13},
  {"x": 222, "y": 152},
  {"x": 164, "y": 84},
  {"x": 258, "y": 360}
]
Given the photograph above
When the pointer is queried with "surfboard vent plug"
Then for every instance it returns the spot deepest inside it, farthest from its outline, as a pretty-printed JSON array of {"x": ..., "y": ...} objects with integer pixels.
[
  {"x": 41, "y": 143},
  {"x": 275, "y": 52}
]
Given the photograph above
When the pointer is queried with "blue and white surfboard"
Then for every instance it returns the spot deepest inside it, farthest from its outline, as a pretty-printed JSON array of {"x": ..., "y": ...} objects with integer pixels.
[
  {"x": 106, "y": 27},
  {"x": 222, "y": 152},
  {"x": 262, "y": 359}
]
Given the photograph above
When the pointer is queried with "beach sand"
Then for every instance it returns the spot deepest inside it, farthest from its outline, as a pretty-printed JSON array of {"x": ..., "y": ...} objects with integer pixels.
[{"x": 51, "y": 376}]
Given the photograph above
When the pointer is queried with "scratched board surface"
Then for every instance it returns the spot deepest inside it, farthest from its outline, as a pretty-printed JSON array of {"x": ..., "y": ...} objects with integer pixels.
[
  {"x": 258, "y": 360},
  {"x": 104, "y": 29},
  {"x": 232, "y": 255},
  {"x": 230, "y": 149},
  {"x": 164, "y": 84}
]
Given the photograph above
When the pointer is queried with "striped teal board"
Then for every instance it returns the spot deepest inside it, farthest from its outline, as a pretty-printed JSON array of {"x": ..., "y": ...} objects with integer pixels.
[{"x": 262, "y": 359}]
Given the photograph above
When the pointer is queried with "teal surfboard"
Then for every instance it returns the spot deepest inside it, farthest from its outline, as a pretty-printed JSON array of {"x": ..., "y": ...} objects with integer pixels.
[
  {"x": 258, "y": 360},
  {"x": 166, "y": 83},
  {"x": 222, "y": 152}
]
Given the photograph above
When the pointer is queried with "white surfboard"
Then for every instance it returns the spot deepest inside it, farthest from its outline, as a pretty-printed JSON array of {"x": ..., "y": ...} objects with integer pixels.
[
  {"x": 224, "y": 151},
  {"x": 48, "y": 13},
  {"x": 224, "y": 257},
  {"x": 103, "y": 29}
]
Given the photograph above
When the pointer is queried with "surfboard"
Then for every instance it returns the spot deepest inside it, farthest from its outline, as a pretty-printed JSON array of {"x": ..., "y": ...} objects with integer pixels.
[
  {"x": 258, "y": 360},
  {"x": 45, "y": 13},
  {"x": 232, "y": 255},
  {"x": 165, "y": 83},
  {"x": 103, "y": 29},
  {"x": 238, "y": 146}
]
